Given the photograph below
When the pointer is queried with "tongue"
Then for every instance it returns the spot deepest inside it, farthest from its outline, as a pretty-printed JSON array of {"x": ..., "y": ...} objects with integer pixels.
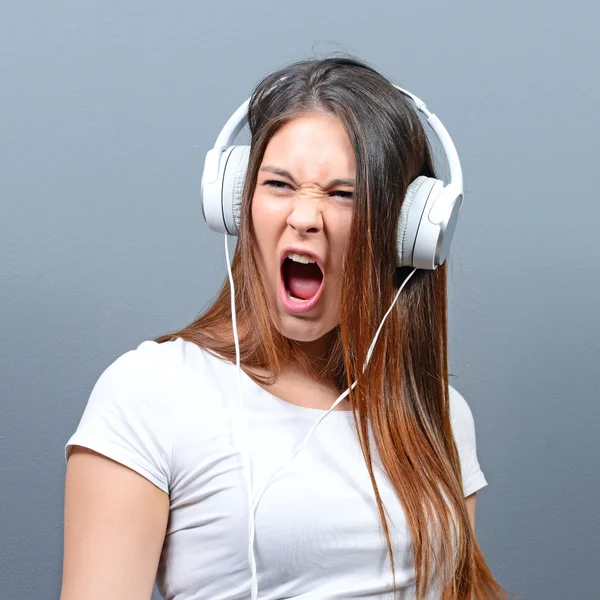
[{"x": 303, "y": 281}]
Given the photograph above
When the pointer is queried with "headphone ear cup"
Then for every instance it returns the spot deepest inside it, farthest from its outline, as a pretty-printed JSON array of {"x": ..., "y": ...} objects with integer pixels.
[
  {"x": 411, "y": 213},
  {"x": 234, "y": 178}
]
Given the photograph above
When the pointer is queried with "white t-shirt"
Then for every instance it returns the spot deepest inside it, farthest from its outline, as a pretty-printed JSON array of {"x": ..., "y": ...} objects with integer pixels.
[{"x": 163, "y": 410}]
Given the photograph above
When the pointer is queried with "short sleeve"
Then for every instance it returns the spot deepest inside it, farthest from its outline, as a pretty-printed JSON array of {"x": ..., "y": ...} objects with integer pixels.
[
  {"x": 463, "y": 427},
  {"x": 126, "y": 417}
]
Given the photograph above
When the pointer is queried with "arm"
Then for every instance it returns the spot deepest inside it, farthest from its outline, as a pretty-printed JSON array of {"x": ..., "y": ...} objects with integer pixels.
[
  {"x": 115, "y": 523},
  {"x": 470, "y": 502}
]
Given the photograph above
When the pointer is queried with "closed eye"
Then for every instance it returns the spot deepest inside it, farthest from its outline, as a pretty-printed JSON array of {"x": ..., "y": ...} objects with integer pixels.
[
  {"x": 275, "y": 183},
  {"x": 343, "y": 194}
]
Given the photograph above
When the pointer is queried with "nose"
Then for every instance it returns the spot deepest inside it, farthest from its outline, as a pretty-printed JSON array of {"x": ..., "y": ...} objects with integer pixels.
[{"x": 306, "y": 216}]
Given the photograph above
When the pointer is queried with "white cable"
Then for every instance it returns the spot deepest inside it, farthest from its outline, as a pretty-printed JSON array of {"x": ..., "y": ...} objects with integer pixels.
[
  {"x": 253, "y": 502},
  {"x": 338, "y": 400},
  {"x": 237, "y": 432}
]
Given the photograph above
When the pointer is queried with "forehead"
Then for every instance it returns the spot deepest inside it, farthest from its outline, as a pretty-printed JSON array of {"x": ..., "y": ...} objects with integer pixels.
[{"x": 312, "y": 147}]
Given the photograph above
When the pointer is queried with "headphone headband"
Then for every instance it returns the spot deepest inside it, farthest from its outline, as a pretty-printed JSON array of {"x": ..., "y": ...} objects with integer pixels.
[
  {"x": 427, "y": 219},
  {"x": 239, "y": 119}
]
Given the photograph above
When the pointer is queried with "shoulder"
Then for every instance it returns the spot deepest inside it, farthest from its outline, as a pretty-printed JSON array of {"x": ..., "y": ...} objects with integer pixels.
[
  {"x": 140, "y": 382},
  {"x": 128, "y": 416},
  {"x": 463, "y": 429},
  {"x": 153, "y": 381},
  {"x": 157, "y": 364},
  {"x": 460, "y": 411},
  {"x": 177, "y": 377},
  {"x": 140, "y": 404},
  {"x": 461, "y": 418}
]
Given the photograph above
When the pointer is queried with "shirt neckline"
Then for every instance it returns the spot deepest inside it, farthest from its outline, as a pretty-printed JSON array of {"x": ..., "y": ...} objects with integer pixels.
[{"x": 289, "y": 406}]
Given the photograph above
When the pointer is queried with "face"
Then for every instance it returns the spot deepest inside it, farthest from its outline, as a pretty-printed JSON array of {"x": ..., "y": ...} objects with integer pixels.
[{"x": 301, "y": 213}]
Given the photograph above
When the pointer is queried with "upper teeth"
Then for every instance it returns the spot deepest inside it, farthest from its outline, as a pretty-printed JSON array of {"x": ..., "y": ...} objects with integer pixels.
[{"x": 301, "y": 258}]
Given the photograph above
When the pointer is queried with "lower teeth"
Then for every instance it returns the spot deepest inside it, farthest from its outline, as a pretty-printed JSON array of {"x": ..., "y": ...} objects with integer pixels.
[{"x": 292, "y": 297}]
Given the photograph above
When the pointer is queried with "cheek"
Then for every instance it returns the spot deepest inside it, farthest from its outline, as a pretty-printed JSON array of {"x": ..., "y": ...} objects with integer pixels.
[
  {"x": 265, "y": 215},
  {"x": 341, "y": 235},
  {"x": 258, "y": 235},
  {"x": 260, "y": 221},
  {"x": 264, "y": 226},
  {"x": 255, "y": 211}
]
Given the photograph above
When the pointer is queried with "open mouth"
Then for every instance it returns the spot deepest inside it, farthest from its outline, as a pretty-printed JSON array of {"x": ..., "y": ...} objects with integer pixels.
[{"x": 302, "y": 279}]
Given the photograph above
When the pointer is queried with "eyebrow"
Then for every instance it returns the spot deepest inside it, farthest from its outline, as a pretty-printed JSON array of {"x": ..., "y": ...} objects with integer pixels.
[{"x": 288, "y": 175}]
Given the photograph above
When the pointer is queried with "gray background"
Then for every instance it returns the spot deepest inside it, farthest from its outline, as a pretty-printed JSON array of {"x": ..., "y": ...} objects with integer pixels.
[{"x": 106, "y": 111}]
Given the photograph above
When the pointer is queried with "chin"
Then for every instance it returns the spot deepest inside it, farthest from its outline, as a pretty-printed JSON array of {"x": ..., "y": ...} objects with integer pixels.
[{"x": 301, "y": 330}]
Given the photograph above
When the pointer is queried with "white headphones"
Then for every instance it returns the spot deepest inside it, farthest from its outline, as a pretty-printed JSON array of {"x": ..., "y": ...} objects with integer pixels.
[{"x": 427, "y": 219}]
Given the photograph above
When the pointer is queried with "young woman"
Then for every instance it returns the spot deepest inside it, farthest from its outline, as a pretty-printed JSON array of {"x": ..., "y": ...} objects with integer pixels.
[{"x": 168, "y": 478}]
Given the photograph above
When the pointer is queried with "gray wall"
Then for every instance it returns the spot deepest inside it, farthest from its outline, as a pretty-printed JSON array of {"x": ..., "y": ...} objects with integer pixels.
[{"x": 106, "y": 111}]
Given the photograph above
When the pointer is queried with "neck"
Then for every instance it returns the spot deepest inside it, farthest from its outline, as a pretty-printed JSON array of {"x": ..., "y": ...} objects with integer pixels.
[{"x": 318, "y": 353}]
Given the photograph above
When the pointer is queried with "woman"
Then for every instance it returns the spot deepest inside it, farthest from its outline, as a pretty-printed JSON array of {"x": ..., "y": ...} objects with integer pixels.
[{"x": 166, "y": 477}]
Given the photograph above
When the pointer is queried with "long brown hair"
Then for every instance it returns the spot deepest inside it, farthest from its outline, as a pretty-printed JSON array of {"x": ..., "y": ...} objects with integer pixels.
[{"x": 403, "y": 396}]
